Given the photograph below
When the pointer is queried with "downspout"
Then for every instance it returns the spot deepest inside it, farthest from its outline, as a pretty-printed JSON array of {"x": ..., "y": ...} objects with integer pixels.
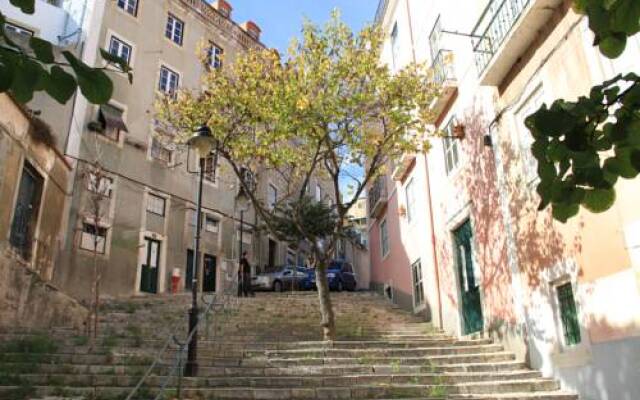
[{"x": 428, "y": 184}]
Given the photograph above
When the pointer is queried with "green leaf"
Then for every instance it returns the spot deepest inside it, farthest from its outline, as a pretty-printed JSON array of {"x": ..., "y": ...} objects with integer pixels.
[
  {"x": 60, "y": 85},
  {"x": 635, "y": 159},
  {"x": 26, "y": 6},
  {"x": 28, "y": 77},
  {"x": 42, "y": 49},
  {"x": 6, "y": 76},
  {"x": 563, "y": 211},
  {"x": 613, "y": 45},
  {"x": 599, "y": 200},
  {"x": 626, "y": 16},
  {"x": 554, "y": 121},
  {"x": 94, "y": 84}
]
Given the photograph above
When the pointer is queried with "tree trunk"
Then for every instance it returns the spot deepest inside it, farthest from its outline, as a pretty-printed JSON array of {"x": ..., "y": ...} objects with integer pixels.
[{"x": 326, "y": 309}]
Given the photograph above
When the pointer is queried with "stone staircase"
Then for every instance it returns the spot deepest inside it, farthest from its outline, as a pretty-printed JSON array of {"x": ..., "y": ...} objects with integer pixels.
[{"x": 268, "y": 347}]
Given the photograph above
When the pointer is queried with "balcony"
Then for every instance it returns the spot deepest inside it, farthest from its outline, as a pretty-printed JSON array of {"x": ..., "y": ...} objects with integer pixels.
[
  {"x": 377, "y": 196},
  {"x": 503, "y": 33},
  {"x": 444, "y": 77}
]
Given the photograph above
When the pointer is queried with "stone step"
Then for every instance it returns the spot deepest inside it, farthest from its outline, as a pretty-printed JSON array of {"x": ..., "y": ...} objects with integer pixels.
[
  {"x": 278, "y": 381},
  {"x": 376, "y": 352}
]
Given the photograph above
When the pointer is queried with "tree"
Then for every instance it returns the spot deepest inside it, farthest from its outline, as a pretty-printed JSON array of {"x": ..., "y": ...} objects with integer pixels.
[
  {"x": 584, "y": 147},
  {"x": 328, "y": 112},
  {"x": 32, "y": 64}
]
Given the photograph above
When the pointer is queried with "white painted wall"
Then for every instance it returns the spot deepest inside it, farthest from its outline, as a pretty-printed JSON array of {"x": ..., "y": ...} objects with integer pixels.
[{"x": 48, "y": 22}]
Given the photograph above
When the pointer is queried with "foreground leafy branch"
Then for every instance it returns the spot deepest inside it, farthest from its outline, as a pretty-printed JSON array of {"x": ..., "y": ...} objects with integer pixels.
[{"x": 584, "y": 147}]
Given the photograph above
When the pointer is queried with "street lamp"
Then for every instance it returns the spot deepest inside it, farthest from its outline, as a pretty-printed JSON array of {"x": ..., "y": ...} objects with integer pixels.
[
  {"x": 203, "y": 142},
  {"x": 242, "y": 203}
]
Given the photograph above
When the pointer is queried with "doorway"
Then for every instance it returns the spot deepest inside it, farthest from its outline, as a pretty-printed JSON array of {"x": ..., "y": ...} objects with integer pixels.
[
  {"x": 149, "y": 273},
  {"x": 272, "y": 254},
  {"x": 25, "y": 216},
  {"x": 469, "y": 287},
  {"x": 209, "y": 273}
]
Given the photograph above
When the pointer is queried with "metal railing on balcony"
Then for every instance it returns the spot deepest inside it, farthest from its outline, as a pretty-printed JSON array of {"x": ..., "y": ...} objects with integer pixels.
[
  {"x": 377, "y": 195},
  {"x": 443, "y": 67},
  {"x": 493, "y": 27}
]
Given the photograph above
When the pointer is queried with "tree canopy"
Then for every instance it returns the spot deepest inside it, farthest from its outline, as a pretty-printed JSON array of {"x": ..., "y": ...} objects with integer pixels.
[
  {"x": 584, "y": 147},
  {"x": 328, "y": 111}
]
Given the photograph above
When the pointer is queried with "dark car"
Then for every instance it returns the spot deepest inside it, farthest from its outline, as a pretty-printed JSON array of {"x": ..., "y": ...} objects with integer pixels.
[{"x": 339, "y": 274}]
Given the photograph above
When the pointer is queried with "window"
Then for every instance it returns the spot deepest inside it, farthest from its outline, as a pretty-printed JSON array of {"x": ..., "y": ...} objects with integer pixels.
[
  {"x": 384, "y": 238},
  {"x": 451, "y": 156},
  {"x": 93, "y": 238},
  {"x": 410, "y": 199},
  {"x": 210, "y": 168},
  {"x": 418, "y": 289},
  {"x": 395, "y": 46},
  {"x": 129, "y": 6},
  {"x": 568, "y": 314},
  {"x": 174, "y": 29},
  {"x": 215, "y": 56},
  {"x": 318, "y": 192},
  {"x": 17, "y": 29},
  {"x": 169, "y": 81},
  {"x": 525, "y": 139},
  {"x": 120, "y": 49},
  {"x": 210, "y": 224},
  {"x": 156, "y": 204},
  {"x": 160, "y": 152},
  {"x": 272, "y": 196},
  {"x": 25, "y": 214},
  {"x": 99, "y": 185},
  {"x": 434, "y": 39},
  {"x": 111, "y": 122}
]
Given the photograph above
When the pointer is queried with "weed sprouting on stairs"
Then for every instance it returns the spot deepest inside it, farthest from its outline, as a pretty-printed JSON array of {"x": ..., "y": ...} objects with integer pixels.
[{"x": 267, "y": 347}]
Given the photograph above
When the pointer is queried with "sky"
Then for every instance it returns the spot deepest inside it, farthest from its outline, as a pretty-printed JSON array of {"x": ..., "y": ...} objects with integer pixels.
[{"x": 281, "y": 20}]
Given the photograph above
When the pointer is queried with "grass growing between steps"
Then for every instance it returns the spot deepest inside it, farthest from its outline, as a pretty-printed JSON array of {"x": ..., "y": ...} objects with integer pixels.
[{"x": 26, "y": 354}]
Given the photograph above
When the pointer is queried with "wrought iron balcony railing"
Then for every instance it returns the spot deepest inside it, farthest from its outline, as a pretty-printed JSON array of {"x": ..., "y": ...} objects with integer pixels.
[
  {"x": 377, "y": 195},
  {"x": 493, "y": 27}
]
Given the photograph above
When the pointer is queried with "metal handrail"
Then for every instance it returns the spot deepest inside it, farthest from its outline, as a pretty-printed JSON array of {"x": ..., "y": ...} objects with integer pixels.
[{"x": 177, "y": 365}]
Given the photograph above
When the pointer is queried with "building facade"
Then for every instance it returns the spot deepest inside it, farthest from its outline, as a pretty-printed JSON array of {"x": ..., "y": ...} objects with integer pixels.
[{"x": 480, "y": 259}]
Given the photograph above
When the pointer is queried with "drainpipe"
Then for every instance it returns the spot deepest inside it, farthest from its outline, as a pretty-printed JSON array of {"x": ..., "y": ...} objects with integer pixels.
[{"x": 428, "y": 184}]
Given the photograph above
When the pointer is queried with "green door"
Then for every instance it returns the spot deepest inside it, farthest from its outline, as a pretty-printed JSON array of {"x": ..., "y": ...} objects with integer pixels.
[
  {"x": 469, "y": 288},
  {"x": 149, "y": 273}
]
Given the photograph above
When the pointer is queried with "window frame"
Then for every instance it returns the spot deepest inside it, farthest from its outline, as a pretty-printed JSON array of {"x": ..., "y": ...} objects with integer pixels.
[
  {"x": 318, "y": 193},
  {"x": 451, "y": 148},
  {"x": 157, "y": 148},
  {"x": 121, "y": 44},
  {"x": 150, "y": 206},
  {"x": 272, "y": 190},
  {"x": 170, "y": 31},
  {"x": 384, "y": 239},
  {"x": 215, "y": 56},
  {"x": 207, "y": 219},
  {"x": 410, "y": 199},
  {"x": 571, "y": 335},
  {"x": 97, "y": 187},
  {"x": 417, "y": 280},
  {"x": 394, "y": 38},
  {"x": 100, "y": 248},
  {"x": 19, "y": 29},
  {"x": 125, "y": 6},
  {"x": 170, "y": 72},
  {"x": 211, "y": 163}
]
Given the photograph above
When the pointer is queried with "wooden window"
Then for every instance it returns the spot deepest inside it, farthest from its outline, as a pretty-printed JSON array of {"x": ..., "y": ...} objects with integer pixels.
[
  {"x": 410, "y": 196},
  {"x": 384, "y": 238},
  {"x": 156, "y": 204},
  {"x": 129, "y": 6},
  {"x": 169, "y": 81},
  {"x": 210, "y": 168},
  {"x": 568, "y": 314},
  {"x": 102, "y": 186},
  {"x": 211, "y": 224},
  {"x": 93, "y": 238},
  {"x": 395, "y": 46},
  {"x": 120, "y": 49},
  {"x": 111, "y": 122},
  {"x": 174, "y": 29},
  {"x": 418, "y": 288},
  {"x": 160, "y": 152},
  {"x": 215, "y": 56},
  {"x": 451, "y": 152},
  {"x": 272, "y": 196}
]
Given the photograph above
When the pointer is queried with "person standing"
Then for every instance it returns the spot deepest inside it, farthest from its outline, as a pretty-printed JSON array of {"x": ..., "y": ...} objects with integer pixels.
[{"x": 244, "y": 277}]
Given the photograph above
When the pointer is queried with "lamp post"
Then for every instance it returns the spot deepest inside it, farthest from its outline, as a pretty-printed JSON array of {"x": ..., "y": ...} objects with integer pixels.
[
  {"x": 203, "y": 142},
  {"x": 242, "y": 203}
]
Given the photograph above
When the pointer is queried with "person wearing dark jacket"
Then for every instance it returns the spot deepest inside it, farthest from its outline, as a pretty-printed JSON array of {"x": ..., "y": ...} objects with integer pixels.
[{"x": 244, "y": 277}]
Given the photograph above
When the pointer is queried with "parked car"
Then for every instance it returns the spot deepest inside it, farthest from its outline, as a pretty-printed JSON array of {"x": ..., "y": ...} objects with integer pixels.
[
  {"x": 281, "y": 279},
  {"x": 339, "y": 274}
]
